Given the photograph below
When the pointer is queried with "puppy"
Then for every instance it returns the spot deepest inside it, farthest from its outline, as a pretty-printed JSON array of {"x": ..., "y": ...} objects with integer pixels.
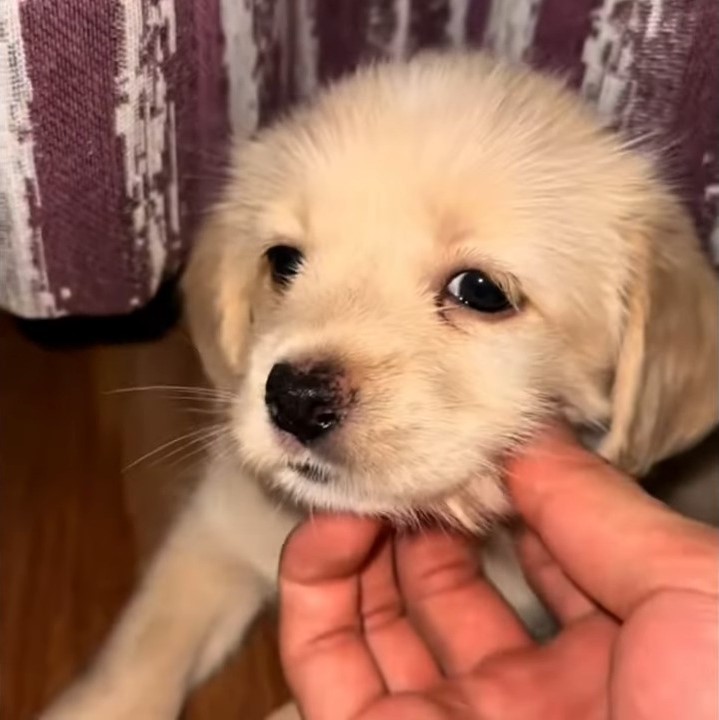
[{"x": 404, "y": 280}]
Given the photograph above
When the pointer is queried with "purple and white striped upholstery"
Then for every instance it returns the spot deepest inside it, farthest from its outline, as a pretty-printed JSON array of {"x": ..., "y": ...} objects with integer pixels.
[{"x": 114, "y": 113}]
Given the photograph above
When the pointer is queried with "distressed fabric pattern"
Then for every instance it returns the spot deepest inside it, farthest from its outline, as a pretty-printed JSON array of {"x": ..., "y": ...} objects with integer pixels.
[{"x": 115, "y": 114}]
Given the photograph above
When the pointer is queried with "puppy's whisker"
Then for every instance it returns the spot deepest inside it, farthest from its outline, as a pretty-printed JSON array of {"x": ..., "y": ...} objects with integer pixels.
[
  {"x": 189, "y": 390},
  {"x": 207, "y": 444},
  {"x": 206, "y": 410},
  {"x": 203, "y": 442},
  {"x": 189, "y": 438},
  {"x": 208, "y": 402}
]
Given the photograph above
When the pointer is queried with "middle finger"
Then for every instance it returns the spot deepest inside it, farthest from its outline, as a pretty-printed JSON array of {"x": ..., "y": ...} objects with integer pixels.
[
  {"x": 402, "y": 657},
  {"x": 463, "y": 617}
]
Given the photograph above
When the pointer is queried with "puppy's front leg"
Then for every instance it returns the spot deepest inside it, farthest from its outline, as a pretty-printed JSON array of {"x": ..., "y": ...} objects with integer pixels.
[{"x": 207, "y": 583}]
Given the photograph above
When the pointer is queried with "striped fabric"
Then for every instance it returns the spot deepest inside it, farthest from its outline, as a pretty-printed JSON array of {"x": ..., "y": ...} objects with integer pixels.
[{"x": 114, "y": 113}]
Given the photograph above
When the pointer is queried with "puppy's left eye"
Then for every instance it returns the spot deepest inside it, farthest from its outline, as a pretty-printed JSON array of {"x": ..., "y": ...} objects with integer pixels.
[
  {"x": 475, "y": 290},
  {"x": 285, "y": 262}
]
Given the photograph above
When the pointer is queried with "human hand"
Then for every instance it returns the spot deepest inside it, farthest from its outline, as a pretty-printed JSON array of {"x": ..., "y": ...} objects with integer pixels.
[{"x": 376, "y": 626}]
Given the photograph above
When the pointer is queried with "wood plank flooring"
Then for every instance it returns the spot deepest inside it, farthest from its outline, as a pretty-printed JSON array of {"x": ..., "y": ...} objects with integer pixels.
[{"x": 75, "y": 529}]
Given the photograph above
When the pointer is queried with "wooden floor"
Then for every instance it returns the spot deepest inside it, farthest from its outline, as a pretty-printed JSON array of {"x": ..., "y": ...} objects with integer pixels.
[{"x": 75, "y": 528}]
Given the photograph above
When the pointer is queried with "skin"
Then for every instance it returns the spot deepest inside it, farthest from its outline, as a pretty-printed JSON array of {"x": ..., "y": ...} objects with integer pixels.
[{"x": 376, "y": 626}]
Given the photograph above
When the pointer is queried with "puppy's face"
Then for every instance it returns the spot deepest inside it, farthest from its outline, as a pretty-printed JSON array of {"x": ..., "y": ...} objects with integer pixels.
[{"x": 408, "y": 277}]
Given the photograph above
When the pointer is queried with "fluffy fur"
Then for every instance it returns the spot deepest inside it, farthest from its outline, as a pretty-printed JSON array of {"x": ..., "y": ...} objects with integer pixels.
[{"x": 392, "y": 182}]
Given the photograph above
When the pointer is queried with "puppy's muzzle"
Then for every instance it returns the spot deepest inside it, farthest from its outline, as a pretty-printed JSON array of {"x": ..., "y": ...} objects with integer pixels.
[{"x": 306, "y": 400}]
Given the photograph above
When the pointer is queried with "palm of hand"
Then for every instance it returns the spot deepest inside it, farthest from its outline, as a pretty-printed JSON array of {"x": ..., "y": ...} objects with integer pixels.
[{"x": 419, "y": 634}]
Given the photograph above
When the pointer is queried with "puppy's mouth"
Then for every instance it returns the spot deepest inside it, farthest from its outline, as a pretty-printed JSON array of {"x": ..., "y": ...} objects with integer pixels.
[{"x": 312, "y": 472}]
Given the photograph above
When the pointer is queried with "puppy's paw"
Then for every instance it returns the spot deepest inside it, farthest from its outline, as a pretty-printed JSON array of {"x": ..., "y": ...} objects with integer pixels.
[
  {"x": 97, "y": 699},
  {"x": 286, "y": 712}
]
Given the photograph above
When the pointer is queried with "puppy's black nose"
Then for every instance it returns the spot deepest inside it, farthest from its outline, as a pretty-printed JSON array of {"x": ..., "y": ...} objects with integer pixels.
[{"x": 304, "y": 401}]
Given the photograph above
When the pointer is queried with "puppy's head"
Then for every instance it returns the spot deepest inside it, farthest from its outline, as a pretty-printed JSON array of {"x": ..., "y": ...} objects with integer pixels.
[{"x": 408, "y": 276}]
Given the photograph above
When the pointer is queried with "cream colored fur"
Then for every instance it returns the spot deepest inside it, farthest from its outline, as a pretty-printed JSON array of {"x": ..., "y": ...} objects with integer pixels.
[{"x": 390, "y": 183}]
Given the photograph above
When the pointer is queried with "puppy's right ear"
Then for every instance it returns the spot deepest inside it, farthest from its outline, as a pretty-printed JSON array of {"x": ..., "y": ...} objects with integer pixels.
[
  {"x": 666, "y": 385},
  {"x": 217, "y": 288}
]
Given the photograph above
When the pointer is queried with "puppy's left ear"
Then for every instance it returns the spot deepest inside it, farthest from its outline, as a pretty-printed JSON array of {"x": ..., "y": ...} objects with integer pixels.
[
  {"x": 217, "y": 287},
  {"x": 666, "y": 385}
]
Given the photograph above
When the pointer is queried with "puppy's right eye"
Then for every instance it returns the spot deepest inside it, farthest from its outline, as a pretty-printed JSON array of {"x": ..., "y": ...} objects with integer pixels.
[
  {"x": 475, "y": 290},
  {"x": 285, "y": 262}
]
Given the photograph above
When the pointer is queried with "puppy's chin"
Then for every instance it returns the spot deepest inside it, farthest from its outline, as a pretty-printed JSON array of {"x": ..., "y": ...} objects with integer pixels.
[
  {"x": 475, "y": 506},
  {"x": 468, "y": 499}
]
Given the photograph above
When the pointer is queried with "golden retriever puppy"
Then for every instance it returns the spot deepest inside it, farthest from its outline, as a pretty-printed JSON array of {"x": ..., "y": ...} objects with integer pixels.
[{"x": 403, "y": 280}]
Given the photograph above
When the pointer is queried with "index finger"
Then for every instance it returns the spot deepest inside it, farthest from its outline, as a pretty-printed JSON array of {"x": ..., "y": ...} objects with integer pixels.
[
  {"x": 320, "y": 632},
  {"x": 612, "y": 539}
]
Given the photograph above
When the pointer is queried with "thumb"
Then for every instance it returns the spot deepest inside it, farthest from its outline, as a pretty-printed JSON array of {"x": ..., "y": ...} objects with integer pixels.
[{"x": 615, "y": 542}]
